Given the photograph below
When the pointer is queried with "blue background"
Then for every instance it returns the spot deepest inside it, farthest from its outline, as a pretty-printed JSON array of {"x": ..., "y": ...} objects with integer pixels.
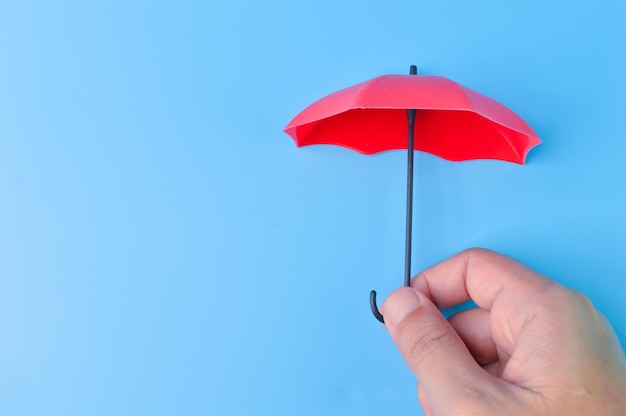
[{"x": 166, "y": 250}]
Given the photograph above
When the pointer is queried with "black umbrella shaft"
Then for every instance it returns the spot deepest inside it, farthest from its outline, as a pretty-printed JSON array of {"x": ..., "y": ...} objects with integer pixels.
[
  {"x": 409, "y": 197},
  {"x": 411, "y": 113}
]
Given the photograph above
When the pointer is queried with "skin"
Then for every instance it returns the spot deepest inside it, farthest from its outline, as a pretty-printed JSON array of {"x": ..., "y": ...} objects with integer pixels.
[{"x": 532, "y": 347}]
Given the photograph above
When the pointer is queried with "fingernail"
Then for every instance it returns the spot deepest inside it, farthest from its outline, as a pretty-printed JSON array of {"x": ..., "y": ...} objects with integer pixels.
[{"x": 400, "y": 304}]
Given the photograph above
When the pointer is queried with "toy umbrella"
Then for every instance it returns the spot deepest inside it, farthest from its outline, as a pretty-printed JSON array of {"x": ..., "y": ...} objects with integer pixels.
[{"x": 452, "y": 122}]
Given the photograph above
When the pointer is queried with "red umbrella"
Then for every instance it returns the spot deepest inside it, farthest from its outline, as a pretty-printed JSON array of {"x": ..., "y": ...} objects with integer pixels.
[{"x": 452, "y": 122}]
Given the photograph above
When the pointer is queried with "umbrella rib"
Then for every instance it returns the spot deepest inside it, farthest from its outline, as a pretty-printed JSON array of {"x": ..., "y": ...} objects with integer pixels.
[{"x": 498, "y": 127}]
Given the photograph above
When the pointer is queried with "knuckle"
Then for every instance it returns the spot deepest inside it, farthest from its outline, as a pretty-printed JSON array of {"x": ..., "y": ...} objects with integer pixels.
[
  {"x": 567, "y": 300},
  {"x": 477, "y": 253},
  {"x": 583, "y": 300}
]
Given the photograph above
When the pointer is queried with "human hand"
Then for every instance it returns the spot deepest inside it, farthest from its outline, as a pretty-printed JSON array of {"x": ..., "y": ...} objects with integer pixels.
[{"x": 532, "y": 347}]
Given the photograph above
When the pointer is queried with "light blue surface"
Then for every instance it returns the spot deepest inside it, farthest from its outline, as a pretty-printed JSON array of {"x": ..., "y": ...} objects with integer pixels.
[{"x": 166, "y": 250}]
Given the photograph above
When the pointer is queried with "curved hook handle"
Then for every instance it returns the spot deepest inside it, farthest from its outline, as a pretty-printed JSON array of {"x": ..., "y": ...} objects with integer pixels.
[{"x": 375, "y": 311}]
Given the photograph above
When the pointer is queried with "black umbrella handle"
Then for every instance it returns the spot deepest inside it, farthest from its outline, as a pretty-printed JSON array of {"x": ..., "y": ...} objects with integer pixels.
[{"x": 411, "y": 114}]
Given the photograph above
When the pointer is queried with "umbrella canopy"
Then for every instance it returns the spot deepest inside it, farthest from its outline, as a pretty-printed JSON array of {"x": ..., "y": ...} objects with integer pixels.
[
  {"x": 444, "y": 118},
  {"x": 452, "y": 121}
]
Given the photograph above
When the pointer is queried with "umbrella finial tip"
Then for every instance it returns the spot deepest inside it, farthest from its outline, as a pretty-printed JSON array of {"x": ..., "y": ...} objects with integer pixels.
[{"x": 413, "y": 70}]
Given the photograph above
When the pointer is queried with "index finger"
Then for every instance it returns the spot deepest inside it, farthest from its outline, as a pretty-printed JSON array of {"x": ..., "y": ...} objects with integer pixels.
[{"x": 482, "y": 276}]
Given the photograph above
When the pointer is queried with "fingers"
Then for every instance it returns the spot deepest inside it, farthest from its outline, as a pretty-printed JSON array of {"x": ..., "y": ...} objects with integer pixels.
[
  {"x": 480, "y": 275},
  {"x": 474, "y": 328},
  {"x": 432, "y": 349},
  {"x": 510, "y": 291},
  {"x": 531, "y": 347}
]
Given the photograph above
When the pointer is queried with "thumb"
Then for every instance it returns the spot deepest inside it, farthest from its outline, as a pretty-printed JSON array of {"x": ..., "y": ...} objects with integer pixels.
[{"x": 431, "y": 347}]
